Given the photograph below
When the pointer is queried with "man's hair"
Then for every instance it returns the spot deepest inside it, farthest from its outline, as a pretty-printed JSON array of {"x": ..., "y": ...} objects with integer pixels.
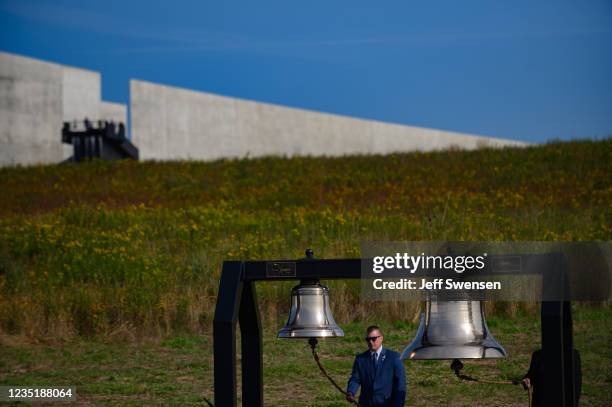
[{"x": 373, "y": 328}]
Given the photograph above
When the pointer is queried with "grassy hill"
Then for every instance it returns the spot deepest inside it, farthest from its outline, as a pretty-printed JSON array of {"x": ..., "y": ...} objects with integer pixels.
[
  {"x": 85, "y": 249},
  {"x": 109, "y": 270}
]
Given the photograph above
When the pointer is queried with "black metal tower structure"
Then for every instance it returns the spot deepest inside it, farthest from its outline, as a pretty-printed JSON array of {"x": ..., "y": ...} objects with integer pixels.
[{"x": 102, "y": 139}]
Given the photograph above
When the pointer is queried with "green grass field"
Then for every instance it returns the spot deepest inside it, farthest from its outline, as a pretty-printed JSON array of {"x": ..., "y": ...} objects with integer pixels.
[
  {"x": 109, "y": 270},
  {"x": 178, "y": 370}
]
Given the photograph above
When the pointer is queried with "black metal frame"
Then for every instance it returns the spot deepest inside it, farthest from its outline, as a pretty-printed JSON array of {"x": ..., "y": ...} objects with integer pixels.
[{"x": 237, "y": 302}]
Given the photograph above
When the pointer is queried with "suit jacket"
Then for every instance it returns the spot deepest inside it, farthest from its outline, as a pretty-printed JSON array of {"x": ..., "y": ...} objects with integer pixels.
[
  {"x": 383, "y": 386},
  {"x": 537, "y": 374}
]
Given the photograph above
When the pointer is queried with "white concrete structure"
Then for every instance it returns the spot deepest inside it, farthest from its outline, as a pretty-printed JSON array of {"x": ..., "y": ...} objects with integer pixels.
[
  {"x": 81, "y": 90},
  {"x": 36, "y": 97},
  {"x": 115, "y": 112},
  {"x": 169, "y": 123},
  {"x": 30, "y": 111}
]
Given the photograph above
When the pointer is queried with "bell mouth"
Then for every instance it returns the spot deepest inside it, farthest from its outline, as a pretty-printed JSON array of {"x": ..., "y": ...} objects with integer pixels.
[
  {"x": 437, "y": 352},
  {"x": 301, "y": 333}
]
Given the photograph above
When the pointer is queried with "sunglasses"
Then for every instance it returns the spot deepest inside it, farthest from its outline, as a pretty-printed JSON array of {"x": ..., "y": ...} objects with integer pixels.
[{"x": 372, "y": 338}]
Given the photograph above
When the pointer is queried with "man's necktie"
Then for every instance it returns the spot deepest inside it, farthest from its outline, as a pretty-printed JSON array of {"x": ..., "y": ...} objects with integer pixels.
[{"x": 374, "y": 358}]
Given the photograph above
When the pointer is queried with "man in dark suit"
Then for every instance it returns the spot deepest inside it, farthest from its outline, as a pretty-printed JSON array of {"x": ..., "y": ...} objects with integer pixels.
[
  {"x": 537, "y": 374},
  {"x": 380, "y": 374}
]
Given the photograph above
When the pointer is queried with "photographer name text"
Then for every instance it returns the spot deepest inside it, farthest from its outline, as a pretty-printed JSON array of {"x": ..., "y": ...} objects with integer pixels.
[{"x": 435, "y": 284}]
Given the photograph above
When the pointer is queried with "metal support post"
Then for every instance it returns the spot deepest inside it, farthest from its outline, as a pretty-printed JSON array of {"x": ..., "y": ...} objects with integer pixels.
[
  {"x": 224, "y": 333},
  {"x": 252, "y": 349},
  {"x": 557, "y": 338}
]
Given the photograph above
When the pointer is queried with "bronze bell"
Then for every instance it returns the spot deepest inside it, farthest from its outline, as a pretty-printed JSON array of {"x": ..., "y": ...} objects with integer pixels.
[
  {"x": 453, "y": 330},
  {"x": 310, "y": 315}
]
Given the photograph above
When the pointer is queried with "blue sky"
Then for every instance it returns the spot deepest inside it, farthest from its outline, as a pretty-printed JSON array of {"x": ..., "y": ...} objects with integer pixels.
[{"x": 525, "y": 70}]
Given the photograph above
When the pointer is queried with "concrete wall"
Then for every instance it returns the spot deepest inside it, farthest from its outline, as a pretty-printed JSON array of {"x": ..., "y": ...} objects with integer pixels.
[
  {"x": 36, "y": 97},
  {"x": 30, "y": 111},
  {"x": 169, "y": 123},
  {"x": 115, "y": 112},
  {"x": 81, "y": 94}
]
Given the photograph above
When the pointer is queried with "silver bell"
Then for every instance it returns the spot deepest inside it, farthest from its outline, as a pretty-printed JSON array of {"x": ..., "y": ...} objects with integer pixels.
[
  {"x": 453, "y": 330},
  {"x": 310, "y": 315}
]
